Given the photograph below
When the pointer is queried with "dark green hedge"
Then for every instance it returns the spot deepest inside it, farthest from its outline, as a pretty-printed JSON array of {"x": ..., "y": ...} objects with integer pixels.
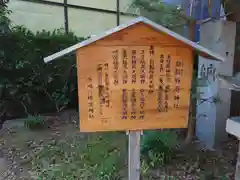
[{"x": 28, "y": 84}]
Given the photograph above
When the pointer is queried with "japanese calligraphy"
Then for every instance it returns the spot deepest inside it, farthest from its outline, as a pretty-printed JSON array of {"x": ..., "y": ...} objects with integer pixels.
[
  {"x": 142, "y": 104},
  {"x": 178, "y": 74},
  {"x": 90, "y": 98},
  {"x": 151, "y": 70},
  {"x": 160, "y": 96},
  {"x": 106, "y": 74},
  {"x": 142, "y": 68},
  {"x": 168, "y": 68},
  {"x": 100, "y": 88},
  {"x": 167, "y": 87},
  {"x": 208, "y": 72},
  {"x": 124, "y": 104},
  {"x": 161, "y": 69},
  {"x": 134, "y": 63},
  {"x": 125, "y": 66},
  {"x": 133, "y": 104},
  {"x": 115, "y": 67},
  {"x": 166, "y": 105}
]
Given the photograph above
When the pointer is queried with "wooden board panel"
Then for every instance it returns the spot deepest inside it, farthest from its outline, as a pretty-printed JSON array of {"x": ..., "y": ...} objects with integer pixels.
[
  {"x": 138, "y": 34},
  {"x": 133, "y": 87}
]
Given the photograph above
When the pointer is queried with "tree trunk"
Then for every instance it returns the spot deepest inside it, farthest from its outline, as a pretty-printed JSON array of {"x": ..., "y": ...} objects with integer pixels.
[
  {"x": 191, "y": 124},
  {"x": 192, "y": 107}
]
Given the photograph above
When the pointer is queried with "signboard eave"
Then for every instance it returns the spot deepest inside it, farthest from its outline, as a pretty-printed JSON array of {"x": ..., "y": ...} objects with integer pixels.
[{"x": 194, "y": 46}]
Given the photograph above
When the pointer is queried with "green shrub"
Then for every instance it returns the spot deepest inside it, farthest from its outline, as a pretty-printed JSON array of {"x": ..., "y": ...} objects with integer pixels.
[
  {"x": 27, "y": 79},
  {"x": 35, "y": 122},
  {"x": 157, "y": 147}
]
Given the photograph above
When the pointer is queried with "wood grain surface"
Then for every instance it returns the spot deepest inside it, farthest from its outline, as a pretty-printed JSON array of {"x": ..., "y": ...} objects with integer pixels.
[{"x": 136, "y": 79}]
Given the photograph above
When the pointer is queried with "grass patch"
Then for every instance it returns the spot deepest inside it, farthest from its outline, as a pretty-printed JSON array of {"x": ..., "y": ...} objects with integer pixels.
[
  {"x": 99, "y": 157},
  {"x": 35, "y": 122},
  {"x": 157, "y": 147}
]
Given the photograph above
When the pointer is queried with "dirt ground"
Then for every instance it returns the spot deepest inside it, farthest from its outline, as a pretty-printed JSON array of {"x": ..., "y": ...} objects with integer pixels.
[
  {"x": 17, "y": 142},
  {"x": 18, "y": 146}
]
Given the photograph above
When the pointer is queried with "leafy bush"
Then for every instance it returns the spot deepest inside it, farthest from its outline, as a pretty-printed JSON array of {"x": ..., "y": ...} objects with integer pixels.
[
  {"x": 4, "y": 20},
  {"x": 157, "y": 147},
  {"x": 34, "y": 122},
  {"x": 25, "y": 78}
]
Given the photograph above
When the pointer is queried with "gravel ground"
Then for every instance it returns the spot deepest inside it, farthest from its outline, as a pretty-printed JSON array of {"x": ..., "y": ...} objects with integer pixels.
[{"x": 192, "y": 163}]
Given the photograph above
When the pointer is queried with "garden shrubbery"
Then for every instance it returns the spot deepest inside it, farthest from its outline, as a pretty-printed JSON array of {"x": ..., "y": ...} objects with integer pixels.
[
  {"x": 158, "y": 148},
  {"x": 28, "y": 85}
]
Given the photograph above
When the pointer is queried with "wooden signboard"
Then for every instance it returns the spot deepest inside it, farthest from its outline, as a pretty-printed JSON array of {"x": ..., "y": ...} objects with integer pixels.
[{"x": 134, "y": 79}]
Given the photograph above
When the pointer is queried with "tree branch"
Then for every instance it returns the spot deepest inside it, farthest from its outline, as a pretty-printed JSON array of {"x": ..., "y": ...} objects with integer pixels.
[
  {"x": 212, "y": 18},
  {"x": 147, "y": 6},
  {"x": 200, "y": 22}
]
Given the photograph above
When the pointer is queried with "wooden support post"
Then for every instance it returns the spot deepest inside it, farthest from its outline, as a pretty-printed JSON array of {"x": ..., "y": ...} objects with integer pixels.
[
  {"x": 192, "y": 108},
  {"x": 134, "y": 155},
  {"x": 237, "y": 173}
]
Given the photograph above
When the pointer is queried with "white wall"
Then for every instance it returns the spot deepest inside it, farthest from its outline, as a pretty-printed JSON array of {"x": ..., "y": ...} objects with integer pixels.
[
  {"x": 100, "y": 4},
  {"x": 85, "y": 22},
  {"x": 37, "y": 16}
]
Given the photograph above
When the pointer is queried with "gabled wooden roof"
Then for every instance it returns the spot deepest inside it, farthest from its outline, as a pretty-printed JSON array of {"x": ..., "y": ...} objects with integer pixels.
[{"x": 196, "y": 47}]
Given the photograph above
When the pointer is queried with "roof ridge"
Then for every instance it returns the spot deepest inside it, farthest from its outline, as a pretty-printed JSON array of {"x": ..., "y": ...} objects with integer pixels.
[{"x": 160, "y": 28}]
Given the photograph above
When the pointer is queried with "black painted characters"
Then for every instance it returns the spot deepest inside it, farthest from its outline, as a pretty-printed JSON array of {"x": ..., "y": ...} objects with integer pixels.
[{"x": 90, "y": 99}]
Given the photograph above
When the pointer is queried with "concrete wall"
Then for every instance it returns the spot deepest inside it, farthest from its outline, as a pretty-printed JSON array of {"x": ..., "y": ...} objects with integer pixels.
[
  {"x": 100, "y": 4},
  {"x": 37, "y": 16}
]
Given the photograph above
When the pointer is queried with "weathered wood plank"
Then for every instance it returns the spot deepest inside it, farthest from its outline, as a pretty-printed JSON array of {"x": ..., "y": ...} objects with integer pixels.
[{"x": 129, "y": 82}]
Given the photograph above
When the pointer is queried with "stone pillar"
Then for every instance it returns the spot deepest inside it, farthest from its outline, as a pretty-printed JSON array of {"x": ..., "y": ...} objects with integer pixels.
[{"x": 219, "y": 36}]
